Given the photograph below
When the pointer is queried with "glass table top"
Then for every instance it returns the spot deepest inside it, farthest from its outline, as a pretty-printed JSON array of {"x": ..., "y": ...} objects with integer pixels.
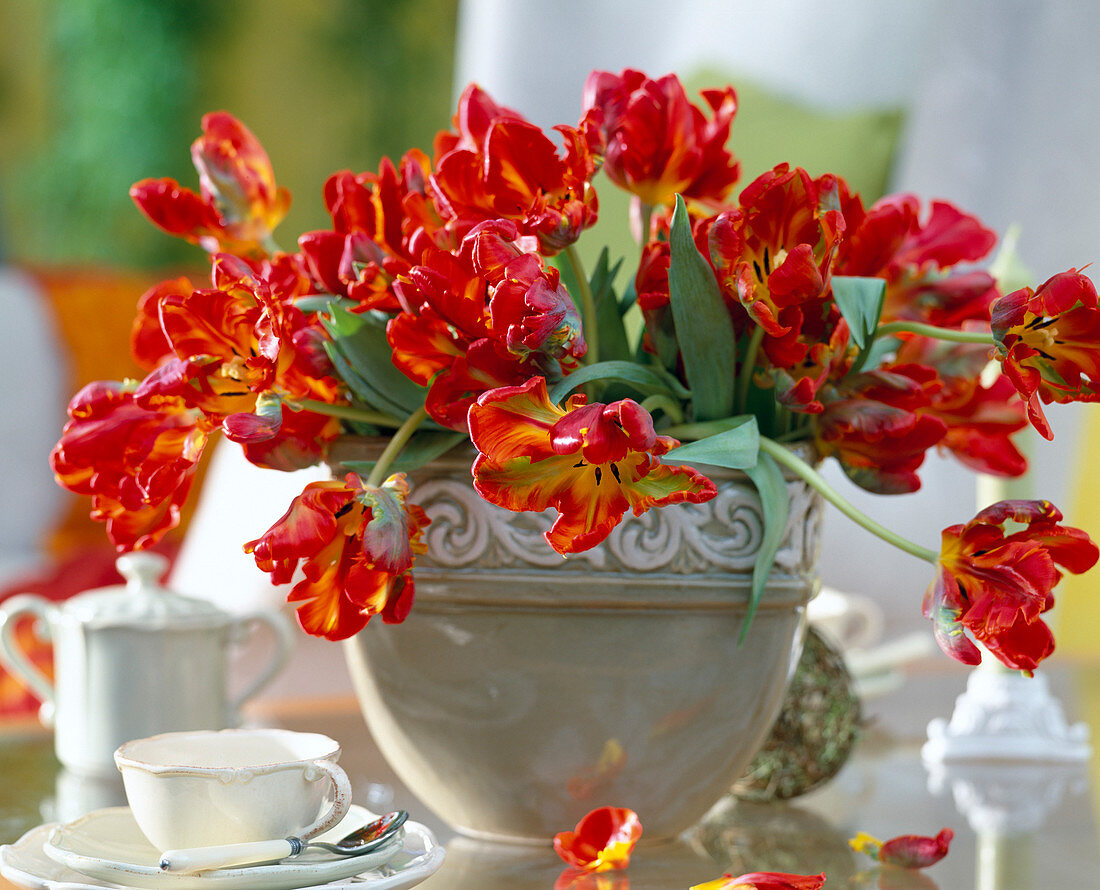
[{"x": 1018, "y": 825}]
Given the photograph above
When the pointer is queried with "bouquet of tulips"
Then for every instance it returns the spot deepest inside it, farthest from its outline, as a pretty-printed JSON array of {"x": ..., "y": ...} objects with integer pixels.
[{"x": 448, "y": 303}]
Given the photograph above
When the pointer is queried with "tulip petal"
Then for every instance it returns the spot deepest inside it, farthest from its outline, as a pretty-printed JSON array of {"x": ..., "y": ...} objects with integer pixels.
[{"x": 602, "y": 841}]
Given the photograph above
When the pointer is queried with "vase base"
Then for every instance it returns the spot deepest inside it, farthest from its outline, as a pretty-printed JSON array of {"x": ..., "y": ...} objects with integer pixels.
[{"x": 512, "y": 840}]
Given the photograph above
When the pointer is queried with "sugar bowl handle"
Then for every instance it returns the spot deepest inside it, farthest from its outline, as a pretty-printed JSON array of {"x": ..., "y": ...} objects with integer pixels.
[
  {"x": 12, "y": 654},
  {"x": 285, "y": 641}
]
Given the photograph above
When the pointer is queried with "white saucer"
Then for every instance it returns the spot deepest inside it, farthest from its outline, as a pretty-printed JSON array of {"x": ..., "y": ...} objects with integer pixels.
[{"x": 106, "y": 849}]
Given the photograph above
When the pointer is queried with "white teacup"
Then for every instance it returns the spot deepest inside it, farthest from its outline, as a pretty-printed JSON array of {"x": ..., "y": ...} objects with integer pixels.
[{"x": 202, "y": 788}]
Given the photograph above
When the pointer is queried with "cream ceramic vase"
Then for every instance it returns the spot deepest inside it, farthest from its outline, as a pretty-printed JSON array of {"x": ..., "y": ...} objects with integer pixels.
[{"x": 526, "y": 689}]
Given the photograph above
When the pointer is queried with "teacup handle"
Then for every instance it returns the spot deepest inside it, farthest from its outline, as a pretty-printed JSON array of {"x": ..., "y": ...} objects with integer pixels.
[
  {"x": 341, "y": 796},
  {"x": 12, "y": 654},
  {"x": 284, "y": 645}
]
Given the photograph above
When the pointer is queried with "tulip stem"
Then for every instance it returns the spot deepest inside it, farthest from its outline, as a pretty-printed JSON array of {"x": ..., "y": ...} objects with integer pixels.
[
  {"x": 929, "y": 330},
  {"x": 645, "y": 221},
  {"x": 344, "y": 412},
  {"x": 588, "y": 306},
  {"x": 744, "y": 376},
  {"x": 393, "y": 448},
  {"x": 817, "y": 482}
]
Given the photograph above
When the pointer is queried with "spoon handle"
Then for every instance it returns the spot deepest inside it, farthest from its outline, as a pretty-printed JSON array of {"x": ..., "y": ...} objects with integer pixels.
[{"x": 205, "y": 858}]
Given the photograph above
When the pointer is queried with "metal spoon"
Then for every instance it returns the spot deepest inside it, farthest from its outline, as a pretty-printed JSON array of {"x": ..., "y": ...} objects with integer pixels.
[{"x": 365, "y": 839}]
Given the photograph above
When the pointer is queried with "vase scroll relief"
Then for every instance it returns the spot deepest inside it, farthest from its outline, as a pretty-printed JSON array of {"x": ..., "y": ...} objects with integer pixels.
[{"x": 722, "y": 535}]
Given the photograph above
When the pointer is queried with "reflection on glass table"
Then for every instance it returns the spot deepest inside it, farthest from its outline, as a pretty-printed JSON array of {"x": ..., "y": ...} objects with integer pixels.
[{"x": 1018, "y": 826}]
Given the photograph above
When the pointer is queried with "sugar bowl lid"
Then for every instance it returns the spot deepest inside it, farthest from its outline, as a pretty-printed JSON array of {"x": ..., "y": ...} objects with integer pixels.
[{"x": 142, "y": 602}]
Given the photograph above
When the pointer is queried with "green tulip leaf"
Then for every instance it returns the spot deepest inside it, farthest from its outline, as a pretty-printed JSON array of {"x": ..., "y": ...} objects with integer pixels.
[
  {"x": 362, "y": 356},
  {"x": 360, "y": 389},
  {"x": 323, "y": 303},
  {"x": 704, "y": 328},
  {"x": 737, "y": 448},
  {"x": 614, "y": 345},
  {"x": 645, "y": 378},
  {"x": 769, "y": 482},
  {"x": 860, "y": 302}
]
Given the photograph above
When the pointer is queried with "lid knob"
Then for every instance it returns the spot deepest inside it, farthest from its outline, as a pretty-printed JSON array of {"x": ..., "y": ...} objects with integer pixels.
[{"x": 142, "y": 570}]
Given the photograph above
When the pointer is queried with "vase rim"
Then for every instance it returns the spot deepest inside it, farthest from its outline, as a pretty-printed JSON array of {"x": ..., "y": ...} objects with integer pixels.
[{"x": 521, "y": 591}]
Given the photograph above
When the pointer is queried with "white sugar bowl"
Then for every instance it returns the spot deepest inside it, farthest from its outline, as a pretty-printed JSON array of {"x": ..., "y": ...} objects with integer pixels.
[{"x": 134, "y": 660}]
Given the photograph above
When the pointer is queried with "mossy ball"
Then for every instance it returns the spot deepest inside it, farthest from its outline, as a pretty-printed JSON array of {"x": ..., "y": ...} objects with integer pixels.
[{"x": 815, "y": 731}]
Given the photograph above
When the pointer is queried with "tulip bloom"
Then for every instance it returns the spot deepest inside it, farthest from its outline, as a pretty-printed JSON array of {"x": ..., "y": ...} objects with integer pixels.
[
  {"x": 979, "y": 422},
  {"x": 997, "y": 585},
  {"x": 239, "y": 206},
  {"x": 381, "y": 222},
  {"x": 496, "y": 164},
  {"x": 487, "y": 316},
  {"x": 226, "y": 356},
  {"x": 356, "y": 545},
  {"x": 238, "y": 345},
  {"x": 590, "y": 462},
  {"x": 916, "y": 258},
  {"x": 528, "y": 307},
  {"x": 875, "y": 427},
  {"x": 905, "y": 851},
  {"x": 602, "y": 841},
  {"x": 444, "y": 340},
  {"x": 1048, "y": 343},
  {"x": 764, "y": 880},
  {"x": 137, "y": 461},
  {"x": 774, "y": 255},
  {"x": 658, "y": 143},
  {"x": 148, "y": 345},
  {"x": 980, "y": 419}
]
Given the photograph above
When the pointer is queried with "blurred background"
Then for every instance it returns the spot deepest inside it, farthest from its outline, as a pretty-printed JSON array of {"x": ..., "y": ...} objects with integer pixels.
[
  {"x": 96, "y": 95},
  {"x": 992, "y": 105}
]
